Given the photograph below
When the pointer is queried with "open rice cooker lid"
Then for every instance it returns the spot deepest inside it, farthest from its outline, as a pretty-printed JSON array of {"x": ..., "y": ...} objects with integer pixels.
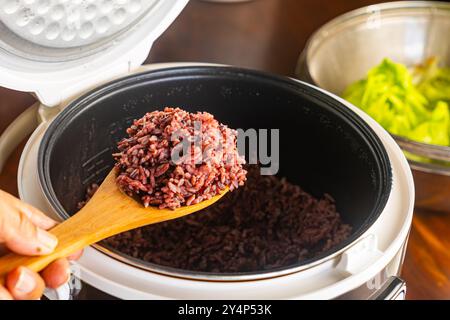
[{"x": 57, "y": 48}]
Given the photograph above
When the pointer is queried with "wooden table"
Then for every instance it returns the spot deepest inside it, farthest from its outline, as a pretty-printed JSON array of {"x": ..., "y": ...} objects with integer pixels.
[{"x": 269, "y": 35}]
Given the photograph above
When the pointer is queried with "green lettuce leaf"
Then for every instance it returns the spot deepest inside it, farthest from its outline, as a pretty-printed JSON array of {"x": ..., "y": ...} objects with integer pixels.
[{"x": 414, "y": 105}]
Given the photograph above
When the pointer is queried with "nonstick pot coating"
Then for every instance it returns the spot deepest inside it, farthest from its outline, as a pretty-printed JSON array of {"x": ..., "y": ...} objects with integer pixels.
[{"x": 324, "y": 146}]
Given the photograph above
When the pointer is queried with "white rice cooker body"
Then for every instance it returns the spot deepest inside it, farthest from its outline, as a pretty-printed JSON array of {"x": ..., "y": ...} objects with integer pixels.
[{"x": 365, "y": 265}]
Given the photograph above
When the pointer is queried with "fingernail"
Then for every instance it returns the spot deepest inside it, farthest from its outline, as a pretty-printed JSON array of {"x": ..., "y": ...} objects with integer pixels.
[
  {"x": 26, "y": 282},
  {"x": 48, "y": 240}
]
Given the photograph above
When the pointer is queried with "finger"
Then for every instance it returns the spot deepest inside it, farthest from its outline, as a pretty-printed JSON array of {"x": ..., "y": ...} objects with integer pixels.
[
  {"x": 35, "y": 215},
  {"x": 4, "y": 294},
  {"x": 23, "y": 237},
  {"x": 75, "y": 256},
  {"x": 24, "y": 284},
  {"x": 56, "y": 274}
]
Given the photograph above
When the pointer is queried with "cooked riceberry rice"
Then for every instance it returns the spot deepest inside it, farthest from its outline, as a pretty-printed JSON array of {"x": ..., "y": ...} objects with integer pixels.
[
  {"x": 147, "y": 168},
  {"x": 266, "y": 224}
]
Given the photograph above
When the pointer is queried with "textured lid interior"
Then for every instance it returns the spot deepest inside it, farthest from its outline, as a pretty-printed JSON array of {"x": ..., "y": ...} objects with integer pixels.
[
  {"x": 62, "y": 23},
  {"x": 50, "y": 46}
]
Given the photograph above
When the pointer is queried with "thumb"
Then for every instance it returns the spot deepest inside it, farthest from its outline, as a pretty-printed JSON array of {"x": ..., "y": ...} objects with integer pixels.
[
  {"x": 24, "y": 284},
  {"x": 21, "y": 236}
]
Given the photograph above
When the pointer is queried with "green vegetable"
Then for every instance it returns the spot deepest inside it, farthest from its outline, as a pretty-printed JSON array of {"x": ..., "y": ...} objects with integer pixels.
[
  {"x": 413, "y": 104},
  {"x": 433, "y": 82}
]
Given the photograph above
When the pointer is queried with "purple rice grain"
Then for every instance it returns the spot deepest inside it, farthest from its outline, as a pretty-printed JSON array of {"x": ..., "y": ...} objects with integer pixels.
[{"x": 147, "y": 170}]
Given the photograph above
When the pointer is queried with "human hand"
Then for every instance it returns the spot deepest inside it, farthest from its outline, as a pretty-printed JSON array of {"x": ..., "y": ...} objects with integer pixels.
[{"x": 22, "y": 231}]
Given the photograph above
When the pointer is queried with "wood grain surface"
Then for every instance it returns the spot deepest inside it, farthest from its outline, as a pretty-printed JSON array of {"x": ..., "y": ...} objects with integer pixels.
[{"x": 269, "y": 35}]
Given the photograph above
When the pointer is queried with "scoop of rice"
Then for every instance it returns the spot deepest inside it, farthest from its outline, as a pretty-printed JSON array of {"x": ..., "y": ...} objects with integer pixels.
[{"x": 173, "y": 158}]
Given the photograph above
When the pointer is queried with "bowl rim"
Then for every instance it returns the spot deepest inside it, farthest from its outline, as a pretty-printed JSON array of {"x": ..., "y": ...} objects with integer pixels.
[
  {"x": 56, "y": 127},
  {"x": 365, "y": 11}
]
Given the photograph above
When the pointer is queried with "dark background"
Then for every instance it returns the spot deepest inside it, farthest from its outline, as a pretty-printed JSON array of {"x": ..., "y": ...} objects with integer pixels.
[{"x": 269, "y": 35}]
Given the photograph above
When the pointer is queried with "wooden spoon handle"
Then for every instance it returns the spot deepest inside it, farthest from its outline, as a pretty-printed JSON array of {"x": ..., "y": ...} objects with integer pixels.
[{"x": 108, "y": 213}]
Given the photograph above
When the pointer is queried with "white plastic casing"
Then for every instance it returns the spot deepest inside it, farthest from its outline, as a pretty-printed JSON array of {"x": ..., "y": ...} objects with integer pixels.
[
  {"x": 54, "y": 80},
  {"x": 379, "y": 250},
  {"x": 75, "y": 23}
]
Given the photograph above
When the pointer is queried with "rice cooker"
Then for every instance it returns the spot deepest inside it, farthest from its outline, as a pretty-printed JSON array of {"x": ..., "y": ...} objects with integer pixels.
[{"x": 82, "y": 61}]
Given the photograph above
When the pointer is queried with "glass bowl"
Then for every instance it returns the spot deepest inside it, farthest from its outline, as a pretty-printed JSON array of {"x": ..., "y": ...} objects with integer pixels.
[{"x": 343, "y": 50}]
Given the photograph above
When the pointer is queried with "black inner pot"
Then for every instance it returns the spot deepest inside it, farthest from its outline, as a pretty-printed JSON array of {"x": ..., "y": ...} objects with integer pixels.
[{"x": 324, "y": 146}]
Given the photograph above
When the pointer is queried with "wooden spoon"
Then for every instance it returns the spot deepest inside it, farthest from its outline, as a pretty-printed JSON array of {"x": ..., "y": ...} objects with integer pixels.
[{"x": 108, "y": 213}]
